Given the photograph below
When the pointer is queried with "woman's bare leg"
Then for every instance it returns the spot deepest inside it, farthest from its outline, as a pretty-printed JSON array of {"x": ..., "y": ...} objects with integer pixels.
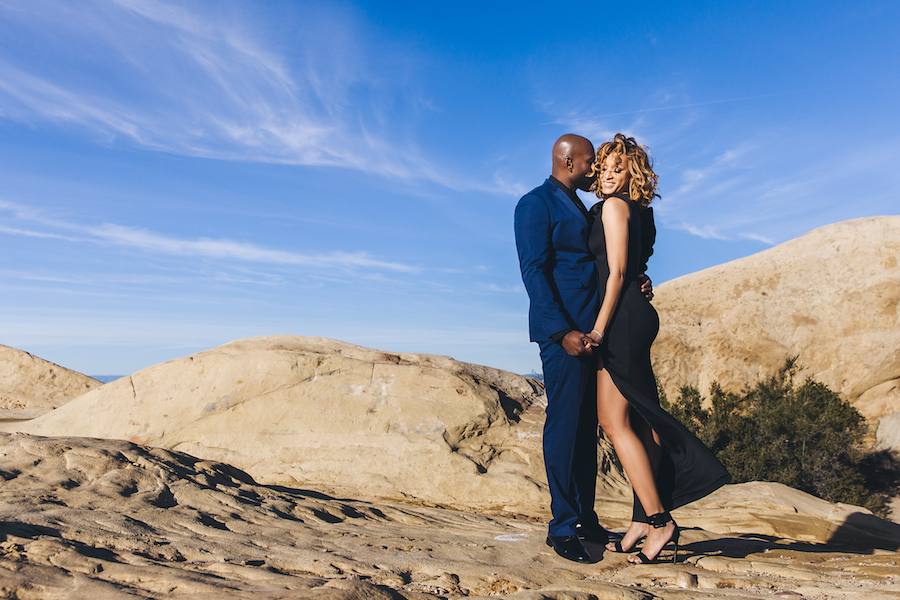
[
  {"x": 614, "y": 415},
  {"x": 649, "y": 439},
  {"x": 639, "y": 529}
]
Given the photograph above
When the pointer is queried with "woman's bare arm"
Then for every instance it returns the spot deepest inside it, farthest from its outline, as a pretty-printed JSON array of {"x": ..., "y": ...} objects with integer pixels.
[{"x": 615, "y": 218}]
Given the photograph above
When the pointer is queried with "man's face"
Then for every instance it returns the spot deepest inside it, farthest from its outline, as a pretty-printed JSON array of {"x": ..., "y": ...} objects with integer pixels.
[{"x": 582, "y": 160}]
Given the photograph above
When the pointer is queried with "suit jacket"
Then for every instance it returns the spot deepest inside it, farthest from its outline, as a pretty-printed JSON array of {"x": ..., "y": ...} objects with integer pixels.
[{"x": 559, "y": 272}]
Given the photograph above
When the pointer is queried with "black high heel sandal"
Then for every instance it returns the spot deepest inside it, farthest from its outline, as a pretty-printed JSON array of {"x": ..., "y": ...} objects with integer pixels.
[
  {"x": 617, "y": 545},
  {"x": 658, "y": 521}
]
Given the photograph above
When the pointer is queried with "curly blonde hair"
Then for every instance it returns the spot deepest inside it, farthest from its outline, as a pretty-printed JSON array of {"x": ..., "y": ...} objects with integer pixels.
[{"x": 643, "y": 180}]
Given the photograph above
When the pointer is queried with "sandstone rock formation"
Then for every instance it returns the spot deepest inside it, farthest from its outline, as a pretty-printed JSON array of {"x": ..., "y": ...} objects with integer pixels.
[
  {"x": 363, "y": 423},
  {"x": 830, "y": 296},
  {"x": 888, "y": 434},
  {"x": 104, "y": 519},
  {"x": 30, "y": 386}
]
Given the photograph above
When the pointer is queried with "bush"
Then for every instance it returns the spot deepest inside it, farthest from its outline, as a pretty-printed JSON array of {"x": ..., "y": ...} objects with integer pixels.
[{"x": 804, "y": 436}]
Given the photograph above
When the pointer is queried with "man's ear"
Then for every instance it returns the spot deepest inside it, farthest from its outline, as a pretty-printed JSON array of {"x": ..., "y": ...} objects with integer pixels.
[{"x": 569, "y": 163}]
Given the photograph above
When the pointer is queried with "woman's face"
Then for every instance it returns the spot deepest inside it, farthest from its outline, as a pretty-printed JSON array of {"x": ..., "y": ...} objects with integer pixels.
[{"x": 614, "y": 175}]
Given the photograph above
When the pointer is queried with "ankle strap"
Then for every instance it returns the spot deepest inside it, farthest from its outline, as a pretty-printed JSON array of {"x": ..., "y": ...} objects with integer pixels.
[{"x": 659, "y": 520}]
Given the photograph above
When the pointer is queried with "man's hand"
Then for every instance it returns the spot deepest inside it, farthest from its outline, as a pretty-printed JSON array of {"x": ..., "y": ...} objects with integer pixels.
[
  {"x": 576, "y": 343},
  {"x": 646, "y": 286}
]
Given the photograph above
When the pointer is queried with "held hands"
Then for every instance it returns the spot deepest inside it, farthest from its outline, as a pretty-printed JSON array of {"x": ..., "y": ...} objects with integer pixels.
[
  {"x": 646, "y": 286},
  {"x": 595, "y": 336},
  {"x": 576, "y": 343}
]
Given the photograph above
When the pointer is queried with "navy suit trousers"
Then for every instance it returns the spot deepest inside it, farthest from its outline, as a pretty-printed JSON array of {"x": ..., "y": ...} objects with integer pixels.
[{"x": 570, "y": 460}]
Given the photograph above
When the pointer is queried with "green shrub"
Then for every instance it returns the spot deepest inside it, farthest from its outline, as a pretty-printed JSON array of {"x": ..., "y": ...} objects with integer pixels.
[{"x": 804, "y": 436}]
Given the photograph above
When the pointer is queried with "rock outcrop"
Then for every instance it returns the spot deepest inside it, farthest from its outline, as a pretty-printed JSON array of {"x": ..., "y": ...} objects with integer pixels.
[
  {"x": 830, "y": 297},
  {"x": 364, "y": 423},
  {"x": 888, "y": 434},
  {"x": 106, "y": 519},
  {"x": 30, "y": 386}
]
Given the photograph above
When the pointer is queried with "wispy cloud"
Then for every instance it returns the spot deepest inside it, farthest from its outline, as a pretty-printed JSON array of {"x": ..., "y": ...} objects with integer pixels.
[
  {"x": 760, "y": 190},
  {"x": 722, "y": 181},
  {"x": 510, "y": 188},
  {"x": 595, "y": 129},
  {"x": 232, "y": 250},
  {"x": 502, "y": 289},
  {"x": 36, "y": 234},
  {"x": 199, "y": 80},
  {"x": 759, "y": 238},
  {"x": 690, "y": 105},
  {"x": 158, "y": 244}
]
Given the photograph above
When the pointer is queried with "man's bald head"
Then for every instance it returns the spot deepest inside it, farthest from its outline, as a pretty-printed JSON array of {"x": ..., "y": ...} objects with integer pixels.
[
  {"x": 569, "y": 143},
  {"x": 573, "y": 156}
]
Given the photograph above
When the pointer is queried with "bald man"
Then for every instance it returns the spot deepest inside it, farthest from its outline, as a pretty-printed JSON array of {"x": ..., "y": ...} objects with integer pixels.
[{"x": 560, "y": 275}]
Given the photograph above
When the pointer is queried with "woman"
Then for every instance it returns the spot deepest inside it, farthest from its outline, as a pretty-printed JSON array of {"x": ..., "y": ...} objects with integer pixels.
[{"x": 666, "y": 464}]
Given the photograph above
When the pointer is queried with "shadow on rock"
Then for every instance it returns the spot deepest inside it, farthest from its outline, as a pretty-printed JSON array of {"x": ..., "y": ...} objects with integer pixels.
[
  {"x": 860, "y": 533},
  {"x": 26, "y": 530},
  {"x": 866, "y": 532}
]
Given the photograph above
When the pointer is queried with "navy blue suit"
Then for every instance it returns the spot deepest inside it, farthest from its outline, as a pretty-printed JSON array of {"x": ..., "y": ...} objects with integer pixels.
[{"x": 560, "y": 275}]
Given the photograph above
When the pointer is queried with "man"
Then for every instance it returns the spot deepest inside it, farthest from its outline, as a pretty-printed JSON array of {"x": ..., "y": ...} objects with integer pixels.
[{"x": 560, "y": 275}]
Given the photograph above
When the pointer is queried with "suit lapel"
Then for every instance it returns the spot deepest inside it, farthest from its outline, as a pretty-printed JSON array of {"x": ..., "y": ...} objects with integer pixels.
[{"x": 561, "y": 197}]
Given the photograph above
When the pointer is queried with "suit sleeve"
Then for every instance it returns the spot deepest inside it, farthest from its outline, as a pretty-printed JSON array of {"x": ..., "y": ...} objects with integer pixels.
[{"x": 536, "y": 261}]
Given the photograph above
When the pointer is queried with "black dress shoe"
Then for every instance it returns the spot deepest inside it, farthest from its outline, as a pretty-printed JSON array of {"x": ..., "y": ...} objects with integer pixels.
[
  {"x": 596, "y": 534},
  {"x": 570, "y": 548}
]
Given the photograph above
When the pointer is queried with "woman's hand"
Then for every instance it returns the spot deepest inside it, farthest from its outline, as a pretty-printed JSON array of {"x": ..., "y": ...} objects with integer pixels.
[{"x": 596, "y": 336}]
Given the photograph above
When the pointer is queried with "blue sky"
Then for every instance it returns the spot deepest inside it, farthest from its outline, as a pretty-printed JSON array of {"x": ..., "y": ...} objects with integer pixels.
[{"x": 176, "y": 175}]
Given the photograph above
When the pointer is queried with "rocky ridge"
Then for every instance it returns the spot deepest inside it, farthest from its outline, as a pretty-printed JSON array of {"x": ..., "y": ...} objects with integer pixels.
[
  {"x": 831, "y": 297},
  {"x": 31, "y": 386},
  {"x": 352, "y": 421}
]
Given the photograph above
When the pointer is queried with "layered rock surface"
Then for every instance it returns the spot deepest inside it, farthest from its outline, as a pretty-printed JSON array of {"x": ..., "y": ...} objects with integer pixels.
[
  {"x": 830, "y": 297},
  {"x": 105, "y": 519},
  {"x": 363, "y": 423},
  {"x": 30, "y": 386},
  {"x": 99, "y": 518}
]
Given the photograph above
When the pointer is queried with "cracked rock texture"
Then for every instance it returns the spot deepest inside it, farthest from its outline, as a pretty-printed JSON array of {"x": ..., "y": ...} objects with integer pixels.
[
  {"x": 831, "y": 297},
  {"x": 342, "y": 463},
  {"x": 372, "y": 425},
  {"x": 95, "y": 519}
]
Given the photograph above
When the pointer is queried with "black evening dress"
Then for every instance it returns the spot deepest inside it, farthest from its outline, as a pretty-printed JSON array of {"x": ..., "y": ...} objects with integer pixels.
[{"x": 688, "y": 470}]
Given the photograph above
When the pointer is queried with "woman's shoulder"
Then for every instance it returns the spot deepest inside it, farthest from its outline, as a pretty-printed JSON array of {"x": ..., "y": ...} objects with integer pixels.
[
  {"x": 622, "y": 200},
  {"x": 617, "y": 209},
  {"x": 619, "y": 200}
]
